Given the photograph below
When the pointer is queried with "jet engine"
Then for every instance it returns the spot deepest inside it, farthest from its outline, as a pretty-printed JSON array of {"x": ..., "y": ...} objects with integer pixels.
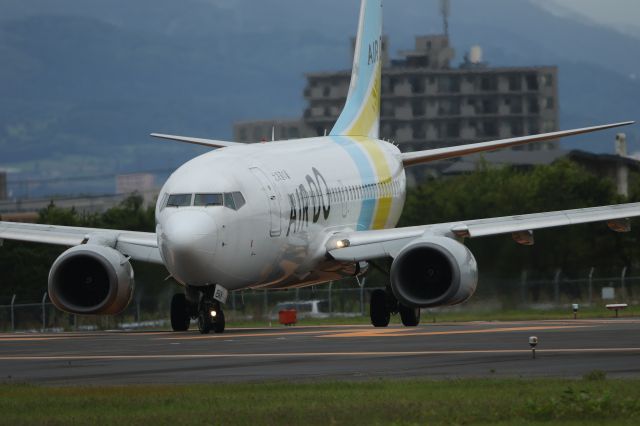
[
  {"x": 91, "y": 280},
  {"x": 434, "y": 271}
]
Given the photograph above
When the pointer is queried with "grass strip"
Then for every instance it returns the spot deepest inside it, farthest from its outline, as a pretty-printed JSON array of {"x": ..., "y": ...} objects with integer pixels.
[{"x": 592, "y": 400}]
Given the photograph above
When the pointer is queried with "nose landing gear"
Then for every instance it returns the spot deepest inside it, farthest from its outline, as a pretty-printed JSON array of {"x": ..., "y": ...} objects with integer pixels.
[
  {"x": 210, "y": 316},
  {"x": 207, "y": 311}
]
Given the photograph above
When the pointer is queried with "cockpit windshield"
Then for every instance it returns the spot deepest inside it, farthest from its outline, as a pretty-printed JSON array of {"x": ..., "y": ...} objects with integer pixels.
[
  {"x": 231, "y": 200},
  {"x": 179, "y": 200},
  {"x": 208, "y": 200}
]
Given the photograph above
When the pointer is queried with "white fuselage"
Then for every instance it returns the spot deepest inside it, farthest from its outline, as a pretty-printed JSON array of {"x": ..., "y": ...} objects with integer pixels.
[{"x": 297, "y": 194}]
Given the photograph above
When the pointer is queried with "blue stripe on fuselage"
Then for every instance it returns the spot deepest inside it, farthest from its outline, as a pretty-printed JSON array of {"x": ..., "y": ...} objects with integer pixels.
[{"x": 367, "y": 175}]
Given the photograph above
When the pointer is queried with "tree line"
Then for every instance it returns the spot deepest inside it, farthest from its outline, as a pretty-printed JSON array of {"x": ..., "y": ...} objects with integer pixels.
[{"x": 488, "y": 192}]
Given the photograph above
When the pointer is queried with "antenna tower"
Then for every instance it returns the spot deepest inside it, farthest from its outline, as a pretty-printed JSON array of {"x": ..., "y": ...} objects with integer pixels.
[{"x": 445, "y": 10}]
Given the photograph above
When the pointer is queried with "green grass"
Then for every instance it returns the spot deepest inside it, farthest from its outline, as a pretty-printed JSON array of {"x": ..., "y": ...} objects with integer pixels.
[
  {"x": 444, "y": 315},
  {"x": 593, "y": 400}
]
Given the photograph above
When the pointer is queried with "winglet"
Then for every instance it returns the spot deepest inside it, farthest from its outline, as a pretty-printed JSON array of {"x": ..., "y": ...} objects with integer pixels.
[{"x": 197, "y": 141}]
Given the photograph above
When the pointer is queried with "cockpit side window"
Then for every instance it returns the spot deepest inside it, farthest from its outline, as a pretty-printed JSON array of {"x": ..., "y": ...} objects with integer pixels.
[
  {"x": 239, "y": 200},
  {"x": 179, "y": 200},
  {"x": 228, "y": 201},
  {"x": 208, "y": 200}
]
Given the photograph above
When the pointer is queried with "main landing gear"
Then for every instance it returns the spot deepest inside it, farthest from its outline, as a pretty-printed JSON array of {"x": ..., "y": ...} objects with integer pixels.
[
  {"x": 206, "y": 310},
  {"x": 383, "y": 304}
]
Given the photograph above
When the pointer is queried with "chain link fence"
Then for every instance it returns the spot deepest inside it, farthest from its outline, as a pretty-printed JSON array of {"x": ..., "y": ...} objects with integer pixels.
[{"x": 339, "y": 300}]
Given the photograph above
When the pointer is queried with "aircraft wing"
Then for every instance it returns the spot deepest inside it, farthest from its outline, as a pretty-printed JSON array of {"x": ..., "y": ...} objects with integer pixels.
[
  {"x": 420, "y": 157},
  {"x": 142, "y": 246},
  {"x": 369, "y": 245},
  {"x": 197, "y": 141}
]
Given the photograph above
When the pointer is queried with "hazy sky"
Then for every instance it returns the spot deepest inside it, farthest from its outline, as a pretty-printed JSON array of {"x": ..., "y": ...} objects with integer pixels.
[{"x": 625, "y": 13}]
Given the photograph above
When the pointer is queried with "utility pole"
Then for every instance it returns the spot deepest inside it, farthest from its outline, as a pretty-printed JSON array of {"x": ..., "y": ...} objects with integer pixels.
[{"x": 445, "y": 10}]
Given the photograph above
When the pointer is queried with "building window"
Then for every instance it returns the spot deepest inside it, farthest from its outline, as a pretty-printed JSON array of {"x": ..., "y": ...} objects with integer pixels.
[
  {"x": 550, "y": 103},
  {"x": 417, "y": 85},
  {"x": 489, "y": 84},
  {"x": 532, "y": 82},
  {"x": 515, "y": 83},
  {"x": 517, "y": 128},
  {"x": 418, "y": 108},
  {"x": 534, "y": 106},
  {"x": 453, "y": 130},
  {"x": 490, "y": 128},
  {"x": 418, "y": 131}
]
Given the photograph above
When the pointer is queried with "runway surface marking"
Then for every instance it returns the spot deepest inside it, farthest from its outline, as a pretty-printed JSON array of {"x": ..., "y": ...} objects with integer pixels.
[
  {"x": 310, "y": 354},
  {"x": 411, "y": 332}
]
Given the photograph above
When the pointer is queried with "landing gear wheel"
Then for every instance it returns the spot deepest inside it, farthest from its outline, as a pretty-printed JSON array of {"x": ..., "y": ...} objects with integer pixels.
[
  {"x": 204, "y": 322},
  {"x": 378, "y": 309},
  {"x": 410, "y": 316},
  {"x": 180, "y": 317},
  {"x": 218, "y": 325}
]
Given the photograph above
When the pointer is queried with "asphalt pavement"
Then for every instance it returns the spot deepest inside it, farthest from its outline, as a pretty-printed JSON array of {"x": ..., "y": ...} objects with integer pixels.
[{"x": 568, "y": 348}]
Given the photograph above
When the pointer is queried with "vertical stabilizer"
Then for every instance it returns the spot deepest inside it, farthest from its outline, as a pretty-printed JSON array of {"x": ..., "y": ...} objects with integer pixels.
[{"x": 361, "y": 114}]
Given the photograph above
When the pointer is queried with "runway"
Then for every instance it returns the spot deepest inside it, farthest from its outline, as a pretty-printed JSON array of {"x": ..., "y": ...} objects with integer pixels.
[{"x": 568, "y": 348}]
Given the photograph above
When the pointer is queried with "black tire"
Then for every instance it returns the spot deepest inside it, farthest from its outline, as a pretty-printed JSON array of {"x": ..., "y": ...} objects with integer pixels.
[
  {"x": 410, "y": 316},
  {"x": 204, "y": 323},
  {"x": 180, "y": 317},
  {"x": 378, "y": 309},
  {"x": 218, "y": 326}
]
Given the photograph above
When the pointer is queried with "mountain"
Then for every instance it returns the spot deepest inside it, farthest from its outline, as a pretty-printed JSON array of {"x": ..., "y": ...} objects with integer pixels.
[{"x": 83, "y": 82}]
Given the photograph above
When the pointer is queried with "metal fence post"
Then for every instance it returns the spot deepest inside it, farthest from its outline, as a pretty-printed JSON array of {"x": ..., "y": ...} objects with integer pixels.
[
  {"x": 13, "y": 316},
  {"x": 44, "y": 313},
  {"x": 623, "y": 278},
  {"x": 591, "y": 285},
  {"x": 523, "y": 287},
  {"x": 331, "y": 298},
  {"x": 556, "y": 285},
  {"x": 364, "y": 282},
  {"x": 266, "y": 304}
]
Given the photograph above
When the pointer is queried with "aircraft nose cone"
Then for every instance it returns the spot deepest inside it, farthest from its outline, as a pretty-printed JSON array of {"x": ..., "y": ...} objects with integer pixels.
[
  {"x": 190, "y": 230},
  {"x": 188, "y": 243}
]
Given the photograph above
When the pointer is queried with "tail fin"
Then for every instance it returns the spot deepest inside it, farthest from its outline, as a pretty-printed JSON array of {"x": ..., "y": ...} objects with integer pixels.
[{"x": 361, "y": 114}]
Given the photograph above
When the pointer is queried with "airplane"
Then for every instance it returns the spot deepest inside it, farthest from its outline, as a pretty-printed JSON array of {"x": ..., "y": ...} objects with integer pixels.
[{"x": 296, "y": 213}]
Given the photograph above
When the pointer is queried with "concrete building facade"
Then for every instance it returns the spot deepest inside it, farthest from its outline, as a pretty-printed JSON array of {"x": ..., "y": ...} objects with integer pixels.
[
  {"x": 3, "y": 185},
  {"x": 426, "y": 103}
]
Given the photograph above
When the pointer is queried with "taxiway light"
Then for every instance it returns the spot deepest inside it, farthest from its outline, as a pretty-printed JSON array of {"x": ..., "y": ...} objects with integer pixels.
[
  {"x": 214, "y": 314},
  {"x": 533, "y": 342},
  {"x": 575, "y": 307}
]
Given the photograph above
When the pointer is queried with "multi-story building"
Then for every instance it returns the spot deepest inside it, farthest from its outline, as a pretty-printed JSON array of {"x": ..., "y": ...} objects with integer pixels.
[
  {"x": 3, "y": 185},
  {"x": 427, "y": 103}
]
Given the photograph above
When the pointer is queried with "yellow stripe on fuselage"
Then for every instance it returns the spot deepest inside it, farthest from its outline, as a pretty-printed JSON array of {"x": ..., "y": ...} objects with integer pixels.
[
  {"x": 383, "y": 174},
  {"x": 361, "y": 128}
]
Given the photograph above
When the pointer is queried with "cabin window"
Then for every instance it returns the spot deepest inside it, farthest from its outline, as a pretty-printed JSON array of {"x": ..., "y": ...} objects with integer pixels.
[
  {"x": 179, "y": 200},
  {"x": 208, "y": 200}
]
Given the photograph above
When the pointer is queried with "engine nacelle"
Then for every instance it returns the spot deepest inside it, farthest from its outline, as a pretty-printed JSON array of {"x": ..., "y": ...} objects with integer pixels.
[
  {"x": 434, "y": 271},
  {"x": 91, "y": 280}
]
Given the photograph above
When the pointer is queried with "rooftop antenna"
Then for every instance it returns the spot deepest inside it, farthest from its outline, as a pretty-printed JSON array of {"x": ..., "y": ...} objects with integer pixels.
[{"x": 445, "y": 10}]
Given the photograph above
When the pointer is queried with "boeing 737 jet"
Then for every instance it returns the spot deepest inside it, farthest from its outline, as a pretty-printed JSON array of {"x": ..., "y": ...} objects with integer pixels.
[{"x": 296, "y": 213}]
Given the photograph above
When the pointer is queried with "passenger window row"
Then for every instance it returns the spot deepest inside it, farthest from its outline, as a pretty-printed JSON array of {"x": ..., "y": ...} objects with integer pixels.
[{"x": 390, "y": 188}]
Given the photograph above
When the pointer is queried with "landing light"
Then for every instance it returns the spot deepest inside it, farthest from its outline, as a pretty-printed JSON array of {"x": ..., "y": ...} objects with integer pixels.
[
  {"x": 342, "y": 244},
  {"x": 214, "y": 314}
]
